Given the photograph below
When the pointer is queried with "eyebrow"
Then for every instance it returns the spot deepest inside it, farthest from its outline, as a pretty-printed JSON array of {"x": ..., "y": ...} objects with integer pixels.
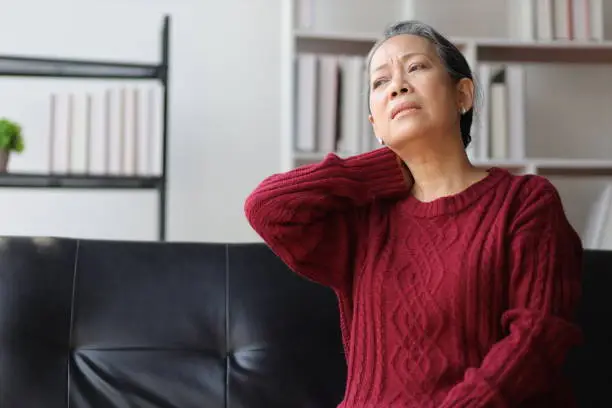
[{"x": 404, "y": 57}]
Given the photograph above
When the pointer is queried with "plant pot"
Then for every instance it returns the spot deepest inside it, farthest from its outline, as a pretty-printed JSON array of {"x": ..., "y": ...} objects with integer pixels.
[{"x": 4, "y": 158}]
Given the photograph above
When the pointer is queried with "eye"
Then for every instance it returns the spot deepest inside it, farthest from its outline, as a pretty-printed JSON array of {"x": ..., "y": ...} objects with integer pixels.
[
  {"x": 416, "y": 66},
  {"x": 377, "y": 83}
]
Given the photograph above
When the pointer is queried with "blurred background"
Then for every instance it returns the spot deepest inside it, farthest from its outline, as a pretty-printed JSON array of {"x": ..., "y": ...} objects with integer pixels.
[{"x": 147, "y": 120}]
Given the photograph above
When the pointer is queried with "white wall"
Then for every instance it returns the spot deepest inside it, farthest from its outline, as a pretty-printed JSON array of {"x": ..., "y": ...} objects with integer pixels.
[{"x": 224, "y": 127}]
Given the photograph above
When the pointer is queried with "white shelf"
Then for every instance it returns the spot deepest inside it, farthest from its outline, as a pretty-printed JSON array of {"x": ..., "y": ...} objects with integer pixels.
[
  {"x": 485, "y": 50},
  {"x": 555, "y": 52},
  {"x": 553, "y": 167},
  {"x": 329, "y": 36},
  {"x": 541, "y": 166},
  {"x": 333, "y": 43}
]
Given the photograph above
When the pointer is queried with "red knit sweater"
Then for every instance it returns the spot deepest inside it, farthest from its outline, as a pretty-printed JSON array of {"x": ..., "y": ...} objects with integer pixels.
[{"x": 465, "y": 301}]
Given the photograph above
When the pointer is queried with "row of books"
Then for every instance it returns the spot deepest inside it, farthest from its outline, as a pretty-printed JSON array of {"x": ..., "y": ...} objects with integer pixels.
[
  {"x": 498, "y": 130},
  {"x": 549, "y": 20},
  {"x": 116, "y": 131},
  {"x": 331, "y": 104}
]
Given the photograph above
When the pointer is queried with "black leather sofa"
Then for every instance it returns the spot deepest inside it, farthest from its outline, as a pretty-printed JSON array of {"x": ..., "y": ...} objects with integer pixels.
[{"x": 102, "y": 324}]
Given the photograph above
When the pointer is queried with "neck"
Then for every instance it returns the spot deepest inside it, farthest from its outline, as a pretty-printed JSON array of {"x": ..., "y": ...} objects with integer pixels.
[{"x": 440, "y": 171}]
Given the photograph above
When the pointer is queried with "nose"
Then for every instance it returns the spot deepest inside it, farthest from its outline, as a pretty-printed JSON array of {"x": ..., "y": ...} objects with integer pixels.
[
  {"x": 402, "y": 90},
  {"x": 399, "y": 84}
]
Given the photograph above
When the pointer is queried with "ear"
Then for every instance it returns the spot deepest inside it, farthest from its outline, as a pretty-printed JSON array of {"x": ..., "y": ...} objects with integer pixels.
[
  {"x": 465, "y": 94},
  {"x": 371, "y": 119}
]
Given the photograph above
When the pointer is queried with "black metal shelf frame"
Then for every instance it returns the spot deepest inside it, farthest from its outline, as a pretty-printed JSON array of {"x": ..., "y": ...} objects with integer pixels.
[
  {"x": 17, "y": 66},
  {"x": 54, "y": 68},
  {"x": 77, "y": 181}
]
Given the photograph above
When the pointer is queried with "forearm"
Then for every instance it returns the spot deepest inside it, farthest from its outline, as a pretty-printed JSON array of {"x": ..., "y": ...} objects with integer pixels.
[
  {"x": 310, "y": 193},
  {"x": 314, "y": 217},
  {"x": 523, "y": 365}
]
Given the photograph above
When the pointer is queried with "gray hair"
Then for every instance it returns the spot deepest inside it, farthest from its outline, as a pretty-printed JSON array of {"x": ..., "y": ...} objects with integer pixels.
[{"x": 452, "y": 58}]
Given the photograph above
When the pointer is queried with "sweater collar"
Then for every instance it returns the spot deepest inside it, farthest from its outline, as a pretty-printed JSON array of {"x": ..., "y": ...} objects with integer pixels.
[{"x": 456, "y": 202}]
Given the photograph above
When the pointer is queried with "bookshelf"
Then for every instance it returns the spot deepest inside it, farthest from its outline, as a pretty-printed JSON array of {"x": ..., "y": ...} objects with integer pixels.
[
  {"x": 34, "y": 67},
  {"x": 480, "y": 52}
]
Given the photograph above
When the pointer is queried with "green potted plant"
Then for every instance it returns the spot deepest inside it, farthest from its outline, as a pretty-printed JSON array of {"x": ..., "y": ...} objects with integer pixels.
[{"x": 11, "y": 140}]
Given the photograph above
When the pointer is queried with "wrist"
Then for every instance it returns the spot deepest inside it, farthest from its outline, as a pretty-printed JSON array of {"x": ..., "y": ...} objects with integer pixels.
[{"x": 382, "y": 171}]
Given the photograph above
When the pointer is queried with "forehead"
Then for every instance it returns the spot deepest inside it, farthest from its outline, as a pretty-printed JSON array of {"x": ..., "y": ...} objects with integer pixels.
[{"x": 399, "y": 46}]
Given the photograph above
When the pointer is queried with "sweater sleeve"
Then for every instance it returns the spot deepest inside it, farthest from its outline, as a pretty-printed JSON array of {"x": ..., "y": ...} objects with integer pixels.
[
  {"x": 545, "y": 284},
  {"x": 312, "y": 217}
]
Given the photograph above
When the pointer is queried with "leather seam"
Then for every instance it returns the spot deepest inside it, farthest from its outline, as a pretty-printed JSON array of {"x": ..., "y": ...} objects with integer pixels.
[
  {"x": 227, "y": 326},
  {"x": 71, "y": 321}
]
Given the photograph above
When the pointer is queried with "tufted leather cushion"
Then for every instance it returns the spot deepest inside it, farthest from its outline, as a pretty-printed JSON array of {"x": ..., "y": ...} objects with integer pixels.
[{"x": 96, "y": 324}]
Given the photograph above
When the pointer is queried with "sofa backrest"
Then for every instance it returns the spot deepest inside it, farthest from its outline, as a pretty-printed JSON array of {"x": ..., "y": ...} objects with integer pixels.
[
  {"x": 91, "y": 324},
  {"x": 588, "y": 366},
  {"x": 97, "y": 324}
]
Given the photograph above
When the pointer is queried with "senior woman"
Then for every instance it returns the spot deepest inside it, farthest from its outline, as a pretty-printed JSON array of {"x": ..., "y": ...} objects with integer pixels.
[{"x": 456, "y": 285}]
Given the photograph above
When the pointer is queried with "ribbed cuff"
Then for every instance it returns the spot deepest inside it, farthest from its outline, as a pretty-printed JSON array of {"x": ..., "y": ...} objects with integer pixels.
[{"x": 380, "y": 171}]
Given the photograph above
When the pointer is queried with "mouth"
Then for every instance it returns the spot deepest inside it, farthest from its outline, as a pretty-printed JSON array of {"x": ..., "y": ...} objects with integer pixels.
[{"x": 404, "y": 107}]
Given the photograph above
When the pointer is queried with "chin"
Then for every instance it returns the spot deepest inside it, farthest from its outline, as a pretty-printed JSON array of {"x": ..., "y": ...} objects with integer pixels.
[{"x": 404, "y": 134}]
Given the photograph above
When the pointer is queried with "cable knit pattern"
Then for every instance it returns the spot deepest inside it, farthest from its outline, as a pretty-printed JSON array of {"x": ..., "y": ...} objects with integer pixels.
[{"x": 466, "y": 301}]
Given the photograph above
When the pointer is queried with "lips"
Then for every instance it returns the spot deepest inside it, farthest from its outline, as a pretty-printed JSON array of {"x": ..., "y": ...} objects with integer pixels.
[{"x": 404, "y": 106}]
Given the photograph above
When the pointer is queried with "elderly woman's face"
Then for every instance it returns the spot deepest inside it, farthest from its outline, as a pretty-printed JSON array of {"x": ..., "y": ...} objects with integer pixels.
[{"x": 411, "y": 93}]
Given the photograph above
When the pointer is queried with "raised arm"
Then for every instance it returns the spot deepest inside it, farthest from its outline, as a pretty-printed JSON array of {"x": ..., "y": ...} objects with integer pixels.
[
  {"x": 313, "y": 217},
  {"x": 545, "y": 285}
]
